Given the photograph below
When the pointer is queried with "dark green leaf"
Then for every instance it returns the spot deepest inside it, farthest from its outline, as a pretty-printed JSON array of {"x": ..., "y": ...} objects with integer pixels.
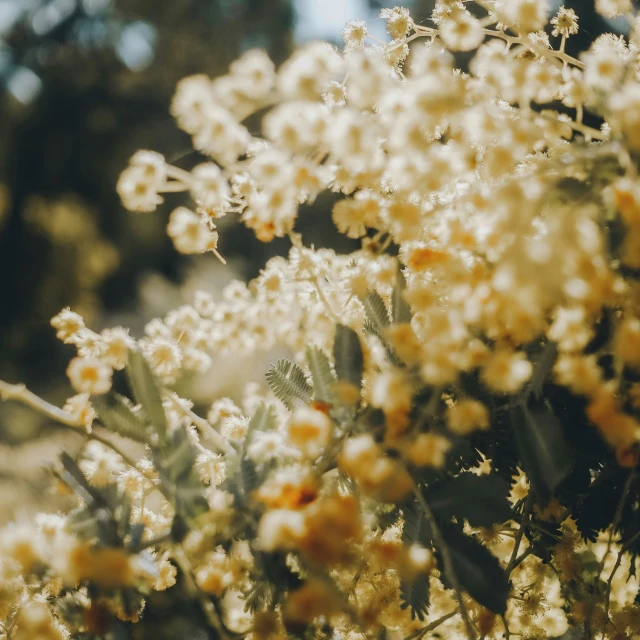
[
  {"x": 323, "y": 377},
  {"x": 146, "y": 391},
  {"x": 482, "y": 500},
  {"x": 260, "y": 596},
  {"x": 477, "y": 570},
  {"x": 541, "y": 445},
  {"x": 115, "y": 414},
  {"x": 73, "y": 477},
  {"x": 347, "y": 355},
  {"x": 178, "y": 457},
  {"x": 415, "y": 595},
  {"x": 400, "y": 310},
  {"x": 376, "y": 312},
  {"x": 249, "y": 477},
  {"x": 175, "y": 463},
  {"x": 287, "y": 381},
  {"x": 416, "y": 527}
]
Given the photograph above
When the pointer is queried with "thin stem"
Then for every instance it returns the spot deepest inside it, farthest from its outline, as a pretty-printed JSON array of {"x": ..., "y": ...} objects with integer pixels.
[
  {"x": 107, "y": 443},
  {"x": 179, "y": 174},
  {"x": 203, "y": 425},
  {"x": 208, "y": 609},
  {"x": 617, "y": 518},
  {"x": 524, "y": 523},
  {"x": 416, "y": 635},
  {"x": 520, "y": 559},
  {"x": 614, "y": 525},
  {"x": 20, "y": 393},
  {"x": 540, "y": 50},
  {"x": 447, "y": 562},
  {"x": 173, "y": 187},
  {"x": 316, "y": 282}
]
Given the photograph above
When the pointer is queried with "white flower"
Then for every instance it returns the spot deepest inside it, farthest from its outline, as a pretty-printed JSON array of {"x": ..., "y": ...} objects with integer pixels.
[
  {"x": 255, "y": 73},
  {"x": 613, "y": 8},
  {"x": 79, "y": 407},
  {"x": 309, "y": 431},
  {"x": 461, "y": 32},
  {"x": 466, "y": 416},
  {"x": 307, "y": 72},
  {"x": 189, "y": 233},
  {"x": 192, "y": 102},
  {"x": 280, "y": 529},
  {"x": 603, "y": 68},
  {"x": 221, "y": 136},
  {"x": 269, "y": 445},
  {"x": 506, "y": 371},
  {"x": 68, "y": 325},
  {"x": 138, "y": 190},
  {"x": 399, "y": 22},
  {"x": 234, "y": 427},
  {"x": 296, "y": 126},
  {"x": 165, "y": 358},
  {"x": 565, "y": 23},
  {"x": 335, "y": 95},
  {"x": 116, "y": 344},
  {"x": 89, "y": 375},
  {"x": 526, "y": 15},
  {"x": 354, "y": 34},
  {"x": 153, "y": 165},
  {"x": 210, "y": 189}
]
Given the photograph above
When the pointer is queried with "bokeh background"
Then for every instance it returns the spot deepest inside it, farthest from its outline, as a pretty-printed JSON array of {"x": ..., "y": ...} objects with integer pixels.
[{"x": 83, "y": 85}]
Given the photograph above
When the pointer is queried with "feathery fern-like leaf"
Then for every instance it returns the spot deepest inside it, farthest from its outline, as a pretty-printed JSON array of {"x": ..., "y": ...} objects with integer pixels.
[
  {"x": 146, "y": 391},
  {"x": 322, "y": 375},
  {"x": 287, "y": 381},
  {"x": 347, "y": 355},
  {"x": 376, "y": 312},
  {"x": 400, "y": 310},
  {"x": 415, "y": 595},
  {"x": 115, "y": 414}
]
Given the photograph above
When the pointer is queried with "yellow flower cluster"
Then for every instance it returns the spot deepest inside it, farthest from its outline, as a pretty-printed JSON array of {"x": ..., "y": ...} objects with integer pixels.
[{"x": 507, "y": 220}]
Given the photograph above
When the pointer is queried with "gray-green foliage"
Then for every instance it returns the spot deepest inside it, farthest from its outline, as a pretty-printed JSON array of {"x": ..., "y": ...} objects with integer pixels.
[{"x": 288, "y": 383}]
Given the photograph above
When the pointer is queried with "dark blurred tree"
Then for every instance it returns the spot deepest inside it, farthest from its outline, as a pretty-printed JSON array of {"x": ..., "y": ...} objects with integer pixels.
[{"x": 85, "y": 83}]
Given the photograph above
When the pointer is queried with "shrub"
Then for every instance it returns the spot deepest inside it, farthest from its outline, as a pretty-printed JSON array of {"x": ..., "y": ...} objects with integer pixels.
[{"x": 452, "y": 448}]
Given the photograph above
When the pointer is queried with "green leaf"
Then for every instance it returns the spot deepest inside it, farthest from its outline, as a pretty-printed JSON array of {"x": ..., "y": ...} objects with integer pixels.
[
  {"x": 73, "y": 477},
  {"x": 477, "y": 570},
  {"x": 175, "y": 462},
  {"x": 377, "y": 320},
  {"x": 347, "y": 355},
  {"x": 178, "y": 456},
  {"x": 387, "y": 515},
  {"x": 376, "y": 312},
  {"x": 249, "y": 479},
  {"x": 415, "y": 527},
  {"x": 415, "y": 595},
  {"x": 287, "y": 381},
  {"x": 400, "y": 310},
  {"x": 541, "y": 444},
  {"x": 323, "y": 377},
  {"x": 482, "y": 500},
  {"x": 116, "y": 415},
  {"x": 260, "y": 596},
  {"x": 146, "y": 391},
  {"x": 262, "y": 420}
]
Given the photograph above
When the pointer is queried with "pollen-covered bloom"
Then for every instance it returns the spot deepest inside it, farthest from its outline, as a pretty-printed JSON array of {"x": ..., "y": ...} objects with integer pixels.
[
  {"x": 309, "y": 431},
  {"x": 89, "y": 375}
]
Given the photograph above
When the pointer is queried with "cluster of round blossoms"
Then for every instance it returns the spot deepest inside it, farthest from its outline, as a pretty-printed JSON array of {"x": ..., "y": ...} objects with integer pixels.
[{"x": 498, "y": 210}]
